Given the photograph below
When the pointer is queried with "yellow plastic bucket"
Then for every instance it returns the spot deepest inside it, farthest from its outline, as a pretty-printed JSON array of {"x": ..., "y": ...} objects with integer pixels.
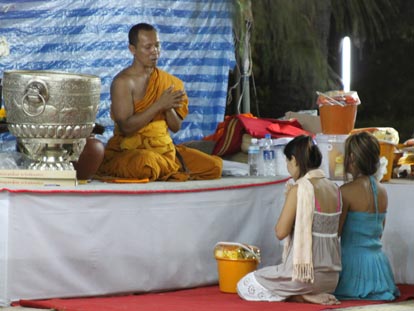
[
  {"x": 387, "y": 150},
  {"x": 338, "y": 111},
  {"x": 337, "y": 120},
  {"x": 234, "y": 261},
  {"x": 230, "y": 272}
]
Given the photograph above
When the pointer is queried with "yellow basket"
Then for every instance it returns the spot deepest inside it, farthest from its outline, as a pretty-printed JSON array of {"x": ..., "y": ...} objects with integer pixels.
[{"x": 234, "y": 261}]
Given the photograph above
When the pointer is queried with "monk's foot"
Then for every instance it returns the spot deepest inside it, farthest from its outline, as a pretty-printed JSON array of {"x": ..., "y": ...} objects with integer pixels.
[{"x": 322, "y": 299}]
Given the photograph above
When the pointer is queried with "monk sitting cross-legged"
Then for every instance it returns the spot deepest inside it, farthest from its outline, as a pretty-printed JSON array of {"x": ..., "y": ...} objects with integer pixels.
[{"x": 146, "y": 103}]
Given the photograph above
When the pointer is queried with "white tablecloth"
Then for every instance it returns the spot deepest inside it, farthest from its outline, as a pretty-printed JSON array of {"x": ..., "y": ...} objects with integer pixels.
[
  {"x": 398, "y": 239},
  {"x": 103, "y": 239}
]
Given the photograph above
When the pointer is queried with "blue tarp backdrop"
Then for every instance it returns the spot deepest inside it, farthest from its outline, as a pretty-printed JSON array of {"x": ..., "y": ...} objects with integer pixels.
[{"x": 91, "y": 37}]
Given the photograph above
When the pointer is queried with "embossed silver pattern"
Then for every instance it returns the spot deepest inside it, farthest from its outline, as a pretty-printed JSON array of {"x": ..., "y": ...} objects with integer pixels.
[{"x": 51, "y": 114}]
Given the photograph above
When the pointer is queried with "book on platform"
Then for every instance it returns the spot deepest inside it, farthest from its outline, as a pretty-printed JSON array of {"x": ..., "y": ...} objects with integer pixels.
[
  {"x": 38, "y": 174},
  {"x": 44, "y": 182}
]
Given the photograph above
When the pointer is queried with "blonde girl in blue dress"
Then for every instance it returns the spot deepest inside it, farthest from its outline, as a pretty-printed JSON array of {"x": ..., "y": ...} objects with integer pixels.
[{"x": 366, "y": 272}]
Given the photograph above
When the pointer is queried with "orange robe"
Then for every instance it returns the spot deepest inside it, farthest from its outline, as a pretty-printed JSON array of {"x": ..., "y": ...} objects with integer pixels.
[{"x": 150, "y": 152}]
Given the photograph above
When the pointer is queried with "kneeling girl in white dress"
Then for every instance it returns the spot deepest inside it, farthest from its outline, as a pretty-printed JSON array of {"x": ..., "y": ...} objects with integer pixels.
[{"x": 309, "y": 222}]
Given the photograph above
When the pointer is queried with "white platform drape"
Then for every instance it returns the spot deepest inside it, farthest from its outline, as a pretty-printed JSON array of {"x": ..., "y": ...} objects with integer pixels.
[
  {"x": 106, "y": 239},
  {"x": 103, "y": 239},
  {"x": 398, "y": 239}
]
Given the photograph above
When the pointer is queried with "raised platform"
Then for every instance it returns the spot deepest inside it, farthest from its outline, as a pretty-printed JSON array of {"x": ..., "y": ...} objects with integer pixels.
[
  {"x": 399, "y": 229},
  {"x": 99, "y": 239}
]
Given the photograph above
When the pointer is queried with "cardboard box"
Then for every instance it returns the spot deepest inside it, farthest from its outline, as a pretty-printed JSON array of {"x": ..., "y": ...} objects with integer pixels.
[{"x": 310, "y": 123}]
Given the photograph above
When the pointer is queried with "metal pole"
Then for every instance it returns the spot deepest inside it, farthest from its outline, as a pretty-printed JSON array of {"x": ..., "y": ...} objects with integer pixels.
[{"x": 246, "y": 71}]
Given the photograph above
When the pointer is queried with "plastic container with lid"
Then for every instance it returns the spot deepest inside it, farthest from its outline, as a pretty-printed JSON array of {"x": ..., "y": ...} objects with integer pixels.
[{"x": 332, "y": 148}]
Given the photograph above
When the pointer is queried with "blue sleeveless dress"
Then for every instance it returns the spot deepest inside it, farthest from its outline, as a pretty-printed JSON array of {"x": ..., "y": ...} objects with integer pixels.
[{"x": 366, "y": 272}]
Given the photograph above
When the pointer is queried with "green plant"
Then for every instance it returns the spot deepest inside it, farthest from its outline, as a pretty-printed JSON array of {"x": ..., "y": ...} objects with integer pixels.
[{"x": 291, "y": 54}]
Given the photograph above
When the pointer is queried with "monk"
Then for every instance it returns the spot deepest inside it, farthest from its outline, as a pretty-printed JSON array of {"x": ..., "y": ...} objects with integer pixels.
[{"x": 146, "y": 104}]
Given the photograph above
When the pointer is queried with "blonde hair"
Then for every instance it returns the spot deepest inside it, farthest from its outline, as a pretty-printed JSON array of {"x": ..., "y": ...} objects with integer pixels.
[{"x": 362, "y": 153}]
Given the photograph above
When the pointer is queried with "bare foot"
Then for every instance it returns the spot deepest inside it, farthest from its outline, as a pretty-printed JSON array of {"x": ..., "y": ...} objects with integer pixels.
[{"x": 322, "y": 299}]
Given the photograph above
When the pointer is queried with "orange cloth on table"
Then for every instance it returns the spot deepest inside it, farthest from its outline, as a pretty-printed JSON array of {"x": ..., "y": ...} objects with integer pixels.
[{"x": 150, "y": 152}]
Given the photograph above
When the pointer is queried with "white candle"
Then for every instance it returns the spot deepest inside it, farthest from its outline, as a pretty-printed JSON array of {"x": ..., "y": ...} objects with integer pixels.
[{"x": 346, "y": 63}]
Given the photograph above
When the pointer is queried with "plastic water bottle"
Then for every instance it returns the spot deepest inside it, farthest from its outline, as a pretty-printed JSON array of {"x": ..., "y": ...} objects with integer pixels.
[
  {"x": 261, "y": 142},
  {"x": 253, "y": 157},
  {"x": 269, "y": 157},
  {"x": 279, "y": 145}
]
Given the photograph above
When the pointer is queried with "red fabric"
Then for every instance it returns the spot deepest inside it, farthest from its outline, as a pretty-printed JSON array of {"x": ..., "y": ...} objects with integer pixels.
[
  {"x": 222, "y": 126},
  {"x": 256, "y": 127},
  {"x": 233, "y": 128},
  {"x": 287, "y": 130},
  {"x": 200, "y": 299},
  {"x": 259, "y": 127},
  {"x": 231, "y": 139}
]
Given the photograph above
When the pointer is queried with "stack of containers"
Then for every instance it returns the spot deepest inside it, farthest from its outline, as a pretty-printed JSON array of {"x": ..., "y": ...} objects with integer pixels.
[{"x": 337, "y": 110}]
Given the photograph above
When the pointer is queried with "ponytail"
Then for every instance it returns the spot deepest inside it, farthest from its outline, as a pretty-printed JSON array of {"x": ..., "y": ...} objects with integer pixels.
[{"x": 307, "y": 153}]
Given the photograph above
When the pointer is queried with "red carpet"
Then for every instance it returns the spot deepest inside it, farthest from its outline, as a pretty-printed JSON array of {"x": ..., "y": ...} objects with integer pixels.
[{"x": 200, "y": 299}]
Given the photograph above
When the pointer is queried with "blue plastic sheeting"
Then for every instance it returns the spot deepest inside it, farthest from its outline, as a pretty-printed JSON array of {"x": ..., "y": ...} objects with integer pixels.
[{"x": 91, "y": 37}]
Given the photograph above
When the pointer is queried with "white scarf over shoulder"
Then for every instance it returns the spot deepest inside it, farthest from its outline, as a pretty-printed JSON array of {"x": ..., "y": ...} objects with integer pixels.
[{"x": 302, "y": 242}]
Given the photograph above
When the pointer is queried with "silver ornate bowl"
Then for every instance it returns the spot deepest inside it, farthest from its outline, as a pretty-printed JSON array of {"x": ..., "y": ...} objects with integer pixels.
[{"x": 51, "y": 114}]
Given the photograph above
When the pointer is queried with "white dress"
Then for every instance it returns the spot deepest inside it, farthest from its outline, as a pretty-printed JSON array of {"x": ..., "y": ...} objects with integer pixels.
[{"x": 274, "y": 283}]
